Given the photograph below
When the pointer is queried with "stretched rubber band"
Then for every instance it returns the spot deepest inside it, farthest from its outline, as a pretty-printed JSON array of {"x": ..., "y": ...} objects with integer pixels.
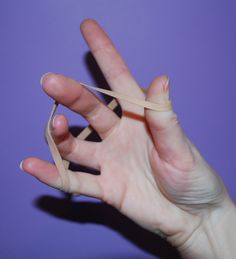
[{"x": 61, "y": 164}]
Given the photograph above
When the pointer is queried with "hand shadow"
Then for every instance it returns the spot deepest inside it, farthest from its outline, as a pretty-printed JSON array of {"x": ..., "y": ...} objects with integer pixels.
[{"x": 103, "y": 214}]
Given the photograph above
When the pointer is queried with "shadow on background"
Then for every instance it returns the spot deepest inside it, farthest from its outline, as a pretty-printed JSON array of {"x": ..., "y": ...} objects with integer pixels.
[
  {"x": 99, "y": 79},
  {"x": 96, "y": 74},
  {"x": 103, "y": 214}
]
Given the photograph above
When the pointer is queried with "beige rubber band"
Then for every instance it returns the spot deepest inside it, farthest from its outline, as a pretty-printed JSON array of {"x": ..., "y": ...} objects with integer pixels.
[
  {"x": 55, "y": 153},
  {"x": 61, "y": 164},
  {"x": 143, "y": 103}
]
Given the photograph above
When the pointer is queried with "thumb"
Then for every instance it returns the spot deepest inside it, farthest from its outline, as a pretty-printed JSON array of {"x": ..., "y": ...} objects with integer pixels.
[{"x": 169, "y": 140}]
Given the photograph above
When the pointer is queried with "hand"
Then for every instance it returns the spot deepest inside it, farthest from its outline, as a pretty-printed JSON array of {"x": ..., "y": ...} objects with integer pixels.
[{"x": 149, "y": 170}]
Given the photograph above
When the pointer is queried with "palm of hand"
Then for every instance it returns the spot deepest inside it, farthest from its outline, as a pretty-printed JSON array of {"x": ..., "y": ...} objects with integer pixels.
[{"x": 134, "y": 178}]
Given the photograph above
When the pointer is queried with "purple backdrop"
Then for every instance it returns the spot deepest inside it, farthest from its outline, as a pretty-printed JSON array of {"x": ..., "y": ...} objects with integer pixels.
[{"x": 194, "y": 42}]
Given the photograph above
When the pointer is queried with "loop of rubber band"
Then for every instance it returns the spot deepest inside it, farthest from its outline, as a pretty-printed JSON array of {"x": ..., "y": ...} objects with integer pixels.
[
  {"x": 56, "y": 154},
  {"x": 62, "y": 165}
]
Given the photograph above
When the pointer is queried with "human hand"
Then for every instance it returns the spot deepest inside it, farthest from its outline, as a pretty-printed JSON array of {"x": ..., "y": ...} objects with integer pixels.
[{"x": 149, "y": 170}]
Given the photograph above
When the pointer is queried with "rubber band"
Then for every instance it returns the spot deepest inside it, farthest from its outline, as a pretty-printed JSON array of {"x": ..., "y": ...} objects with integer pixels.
[
  {"x": 145, "y": 104},
  {"x": 63, "y": 165}
]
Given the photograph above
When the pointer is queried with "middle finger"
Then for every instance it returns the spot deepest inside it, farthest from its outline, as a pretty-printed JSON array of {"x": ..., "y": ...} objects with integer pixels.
[{"x": 111, "y": 63}]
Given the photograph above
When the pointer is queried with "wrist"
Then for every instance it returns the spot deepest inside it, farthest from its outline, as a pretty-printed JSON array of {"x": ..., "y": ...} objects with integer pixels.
[{"x": 215, "y": 236}]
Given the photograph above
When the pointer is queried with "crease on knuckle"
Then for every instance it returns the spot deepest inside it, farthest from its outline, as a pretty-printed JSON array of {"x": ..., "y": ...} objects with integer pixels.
[{"x": 94, "y": 112}]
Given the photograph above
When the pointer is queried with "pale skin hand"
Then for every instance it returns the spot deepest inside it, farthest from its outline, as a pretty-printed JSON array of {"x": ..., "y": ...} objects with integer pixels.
[{"x": 150, "y": 171}]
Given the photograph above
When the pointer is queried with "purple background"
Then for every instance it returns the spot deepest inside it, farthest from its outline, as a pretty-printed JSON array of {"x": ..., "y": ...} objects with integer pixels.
[{"x": 194, "y": 42}]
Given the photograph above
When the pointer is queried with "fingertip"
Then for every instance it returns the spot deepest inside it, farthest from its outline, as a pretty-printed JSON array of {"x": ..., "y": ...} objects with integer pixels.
[
  {"x": 36, "y": 166},
  {"x": 43, "y": 77},
  {"x": 57, "y": 121},
  {"x": 60, "y": 125},
  {"x": 88, "y": 22},
  {"x": 159, "y": 86},
  {"x": 158, "y": 92},
  {"x": 27, "y": 164},
  {"x": 52, "y": 84}
]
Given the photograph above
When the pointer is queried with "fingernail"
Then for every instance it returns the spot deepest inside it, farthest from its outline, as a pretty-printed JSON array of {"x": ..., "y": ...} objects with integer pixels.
[
  {"x": 21, "y": 168},
  {"x": 54, "y": 121},
  {"x": 163, "y": 87},
  {"x": 166, "y": 85},
  {"x": 166, "y": 89},
  {"x": 42, "y": 77}
]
